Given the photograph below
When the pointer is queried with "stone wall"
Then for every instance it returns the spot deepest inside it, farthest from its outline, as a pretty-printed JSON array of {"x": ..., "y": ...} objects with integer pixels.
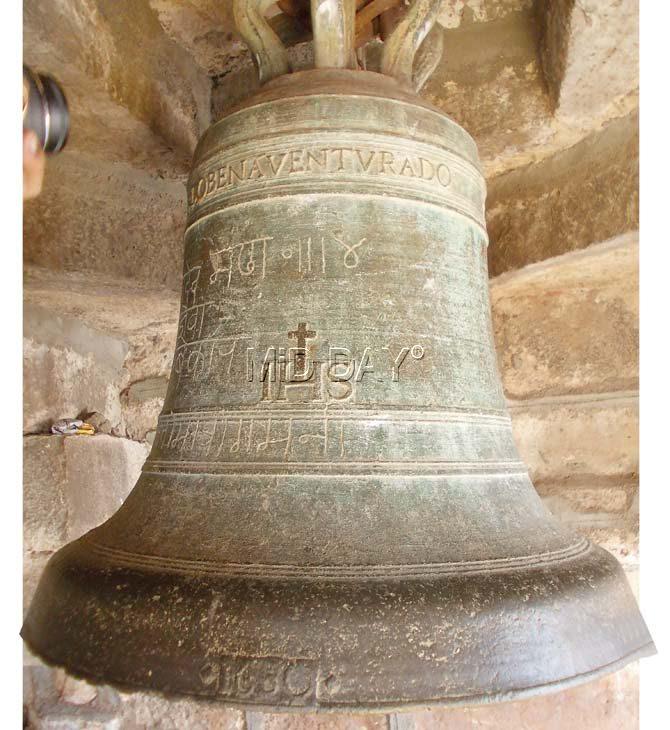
[{"x": 548, "y": 90}]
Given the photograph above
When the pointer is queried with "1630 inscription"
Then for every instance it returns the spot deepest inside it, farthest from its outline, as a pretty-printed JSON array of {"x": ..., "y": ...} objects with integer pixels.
[{"x": 261, "y": 680}]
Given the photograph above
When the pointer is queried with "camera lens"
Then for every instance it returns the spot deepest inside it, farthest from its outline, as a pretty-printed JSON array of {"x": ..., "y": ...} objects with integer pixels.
[{"x": 45, "y": 110}]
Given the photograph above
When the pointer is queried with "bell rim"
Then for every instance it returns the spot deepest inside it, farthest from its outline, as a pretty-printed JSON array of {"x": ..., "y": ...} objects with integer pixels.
[
  {"x": 612, "y": 583},
  {"x": 478, "y": 700}
]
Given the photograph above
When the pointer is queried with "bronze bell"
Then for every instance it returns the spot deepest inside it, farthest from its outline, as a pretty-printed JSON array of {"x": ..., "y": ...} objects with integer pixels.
[{"x": 334, "y": 515}]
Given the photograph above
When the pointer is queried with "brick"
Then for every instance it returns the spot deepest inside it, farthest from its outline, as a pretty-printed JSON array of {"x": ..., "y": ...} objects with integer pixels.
[
  {"x": 610, "y": 703},
  {"x": 334, "y": 721},
  {"x": 141, "y": 711}
]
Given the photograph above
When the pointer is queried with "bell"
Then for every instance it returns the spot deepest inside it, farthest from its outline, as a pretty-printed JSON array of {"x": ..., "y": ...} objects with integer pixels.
[{"x": 334, "y": 515}]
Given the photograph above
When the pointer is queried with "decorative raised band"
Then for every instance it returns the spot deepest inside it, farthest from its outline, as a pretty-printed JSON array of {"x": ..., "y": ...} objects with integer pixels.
[
  {"x": 258, "y": 441},
  {"x": 366, "y": 165},
  {"x": 316, "y": 468},
  {"x": 269, "y": 571}
]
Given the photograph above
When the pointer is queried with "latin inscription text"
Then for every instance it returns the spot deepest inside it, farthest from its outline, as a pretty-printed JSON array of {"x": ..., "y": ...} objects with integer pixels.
[{"x": 324, "y": 160}]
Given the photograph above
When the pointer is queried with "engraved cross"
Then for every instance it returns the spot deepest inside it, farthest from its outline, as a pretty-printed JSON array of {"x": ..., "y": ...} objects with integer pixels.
[{"x": 301, "y": 334}]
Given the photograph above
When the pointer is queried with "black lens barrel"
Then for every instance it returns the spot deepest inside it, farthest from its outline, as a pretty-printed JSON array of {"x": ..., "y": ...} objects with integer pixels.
[{"x": 45, "y": 110}]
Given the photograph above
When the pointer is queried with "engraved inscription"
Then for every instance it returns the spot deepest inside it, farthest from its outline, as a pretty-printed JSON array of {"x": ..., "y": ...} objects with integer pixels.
[
  {"x": 230, "y": 263},
  {"x": 320, "y": 161},
  {"x": 313, "y": 255},
  {"x": 350, "y": 259},
  {"x": 241, "y": 259},
  {"x": 309, "y": 381},
  {"x": 198, "y": 359},
  {"x": 261, "y": 680},
  {"x": 256, "y": 438}
]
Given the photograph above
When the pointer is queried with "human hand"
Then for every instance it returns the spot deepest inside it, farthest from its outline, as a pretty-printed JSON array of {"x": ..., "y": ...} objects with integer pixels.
[{"x": 33, "y": 165}]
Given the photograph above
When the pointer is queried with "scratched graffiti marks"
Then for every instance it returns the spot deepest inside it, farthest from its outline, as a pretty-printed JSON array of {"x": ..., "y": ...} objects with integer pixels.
[
  {"x": 258, "y": 257},
  {"x": 253, "y": 438}
]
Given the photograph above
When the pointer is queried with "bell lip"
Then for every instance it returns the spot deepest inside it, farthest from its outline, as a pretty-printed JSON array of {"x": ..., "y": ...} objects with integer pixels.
[
  {"x": 478, "y": 700},
  {"x": 181, "y": 674}
]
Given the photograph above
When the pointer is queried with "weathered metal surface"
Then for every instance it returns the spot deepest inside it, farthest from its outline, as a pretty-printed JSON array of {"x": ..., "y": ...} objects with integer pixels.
[
  {"x": 333, "y": 26},
  {"x": 344, "y": 526},
  {"x": 402, "y": 46},
  {"x": 269, "y": 54}
]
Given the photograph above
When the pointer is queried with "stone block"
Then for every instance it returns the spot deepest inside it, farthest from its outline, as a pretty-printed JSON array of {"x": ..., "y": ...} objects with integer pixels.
[
  {"x": 589, "y": 51},
  {"x": 604, "y": 514},
  {"x": 33, "y": 565},
  {"x": 78, "y": 692},
  {"x": 68, "y": 367},
  {"x": 593, "y": 501},
  {"x": 100, "y": 472},
  {"x": 561, "y": 440},
  {"x": 142, "y": 402},
  {"x": 205, "y": 28},
  {"x": 570, "y": 325},
  {"x": 90, "y": 342},
  {"x": 491, "y": 83},
  {"x": 72, "y": 484},
  {"x": 623, "y": 541},
  {"x": 610, "y": 703},
  {"x": 54, "y": 699},
  {"x": 124, "y": 49},
  {"x": 240, "y": 78},
  {"x": 107, "y": 218},
  {"x": 455, "y": 13},
  {"x": 45, "y": 508},
  {"x": 582, "y": 195}
]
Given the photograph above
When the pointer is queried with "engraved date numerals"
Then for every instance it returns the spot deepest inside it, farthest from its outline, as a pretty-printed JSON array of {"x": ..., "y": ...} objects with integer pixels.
[{"x": 261, "y": 680}]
